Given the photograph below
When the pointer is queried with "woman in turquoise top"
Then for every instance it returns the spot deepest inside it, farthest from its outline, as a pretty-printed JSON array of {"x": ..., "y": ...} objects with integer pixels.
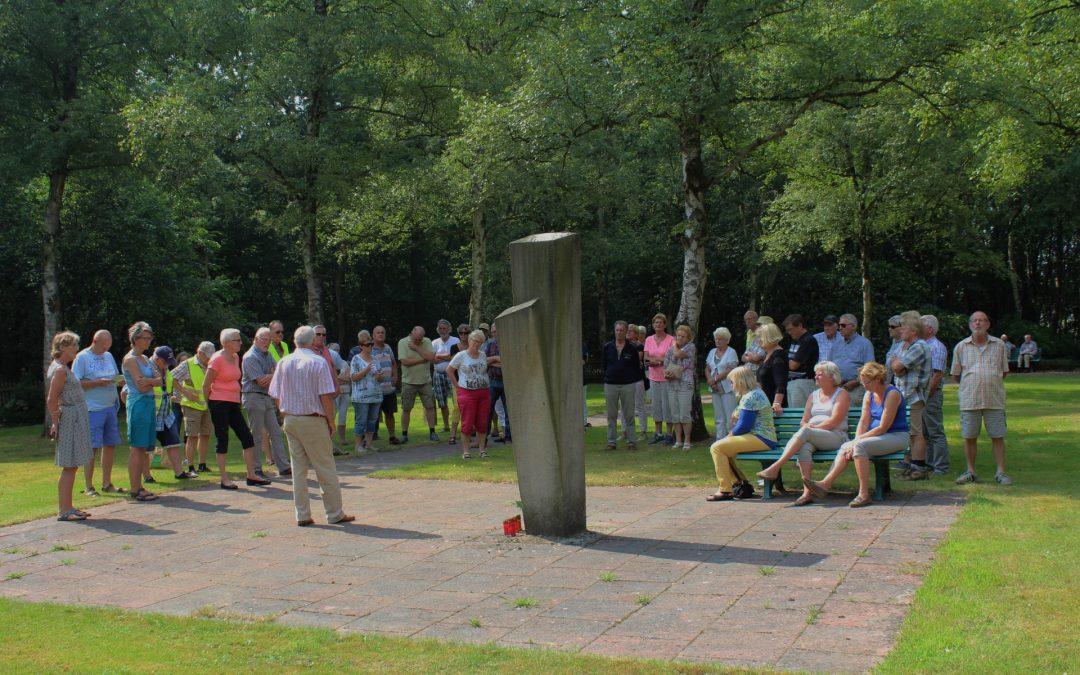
[
  {"x": 141, "y": 376},
  {"x": 753, "y": 430},
  {"x": 883, "y": 429}
]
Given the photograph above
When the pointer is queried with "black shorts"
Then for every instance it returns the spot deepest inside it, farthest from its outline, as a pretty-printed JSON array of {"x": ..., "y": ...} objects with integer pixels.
[{"x": 389, "y": 403}]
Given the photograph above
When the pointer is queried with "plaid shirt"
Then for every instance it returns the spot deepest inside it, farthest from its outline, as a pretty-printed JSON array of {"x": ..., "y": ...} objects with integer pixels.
[
  {"x": 915, "y": 381},
  {"x": 939, "y": 353},
  {"x": 981, "y": 370}
]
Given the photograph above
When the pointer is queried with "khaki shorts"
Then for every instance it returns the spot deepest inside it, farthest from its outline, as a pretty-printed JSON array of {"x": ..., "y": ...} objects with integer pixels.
[
  {"x": 409, "y": 392},
  {"x": 197, "y": 422},
  {"x": 915, "y": 415}
]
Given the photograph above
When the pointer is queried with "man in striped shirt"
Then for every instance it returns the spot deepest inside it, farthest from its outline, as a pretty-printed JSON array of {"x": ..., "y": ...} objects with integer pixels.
[
  {"x": 304, "y": 389},
  {"x": 980, "y": 364}
]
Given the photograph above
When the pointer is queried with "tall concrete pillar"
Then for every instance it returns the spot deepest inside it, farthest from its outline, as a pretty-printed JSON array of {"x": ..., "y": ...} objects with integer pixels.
[{"x": 540, "y": 341}]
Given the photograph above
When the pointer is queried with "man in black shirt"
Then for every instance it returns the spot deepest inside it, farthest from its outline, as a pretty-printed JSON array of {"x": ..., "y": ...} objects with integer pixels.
[
  {"x": 802, "y": 357},
  {"x": 621, "y": 365}
]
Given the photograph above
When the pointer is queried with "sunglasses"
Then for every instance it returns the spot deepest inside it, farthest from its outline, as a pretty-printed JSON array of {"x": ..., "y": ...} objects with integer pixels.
[
  {"x": 845, "y": 325},
  {"x": 321, "y": 334},
  {"x": 892, "y": 327},
  {"x": 365, "y": 344},
  {"x": 278, "y": 332}
]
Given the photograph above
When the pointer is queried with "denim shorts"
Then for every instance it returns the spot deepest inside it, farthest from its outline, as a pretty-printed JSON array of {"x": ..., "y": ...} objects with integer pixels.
[{"x": 104, "y": 428}]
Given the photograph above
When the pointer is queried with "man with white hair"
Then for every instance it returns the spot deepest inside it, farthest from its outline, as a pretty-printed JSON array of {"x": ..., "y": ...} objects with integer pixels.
[
  {"x": 980, "y": 364},
  {"x": 258, "y": 369},
  {"x": 188, "y": 378},
  {"x": 937, "y": 445},
  {"x": 911, "y": 368},
  {"x": 95, "y": 369},
  {"x": 304, "y": 389}
]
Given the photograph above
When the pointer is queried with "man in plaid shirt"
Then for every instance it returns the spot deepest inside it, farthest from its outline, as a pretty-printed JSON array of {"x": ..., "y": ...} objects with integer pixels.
[
  {"x": 937, "y": 445},
  {"x": 980, "y": 364},
  {"x": 912, "y": 367}
]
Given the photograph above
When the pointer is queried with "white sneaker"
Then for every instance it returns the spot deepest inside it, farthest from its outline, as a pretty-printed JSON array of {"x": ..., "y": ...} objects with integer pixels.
[
  {"x": 675, "y": 446},
  {"x": 1003, "y": 478},
  {"x": 966, "y": 477},
  {"x": 686, "y": 445}
]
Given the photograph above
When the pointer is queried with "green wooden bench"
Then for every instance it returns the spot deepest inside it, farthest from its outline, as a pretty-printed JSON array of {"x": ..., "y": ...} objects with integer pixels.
[{"x": 786, "y": 426}]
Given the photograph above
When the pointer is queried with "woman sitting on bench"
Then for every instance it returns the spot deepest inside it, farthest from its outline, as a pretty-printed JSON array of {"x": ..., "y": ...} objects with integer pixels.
[
  {"x": 753, "y": 430},
  {"x": 883, "y": 429},
  {"x": 824, "y": 426}
]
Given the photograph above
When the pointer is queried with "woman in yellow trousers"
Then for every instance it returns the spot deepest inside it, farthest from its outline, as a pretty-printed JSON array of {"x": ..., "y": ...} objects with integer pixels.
[{"x": 752, "y": 430}]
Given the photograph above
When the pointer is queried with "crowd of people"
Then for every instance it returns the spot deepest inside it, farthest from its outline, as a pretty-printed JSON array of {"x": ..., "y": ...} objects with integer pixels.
[
  {"x": 823, "y": 374},
  {"x": 271, "y": 396},
  {"x": 258, "y": 397}
]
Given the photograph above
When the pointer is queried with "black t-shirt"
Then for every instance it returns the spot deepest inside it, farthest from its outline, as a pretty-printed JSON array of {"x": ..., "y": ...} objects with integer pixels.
[{"x": 805, "y": 351}]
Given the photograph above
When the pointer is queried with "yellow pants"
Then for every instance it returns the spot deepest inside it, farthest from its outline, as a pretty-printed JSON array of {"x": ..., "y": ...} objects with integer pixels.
[
  {"x": 455, "y": 412},
  {"x": 723, "y": 454}
]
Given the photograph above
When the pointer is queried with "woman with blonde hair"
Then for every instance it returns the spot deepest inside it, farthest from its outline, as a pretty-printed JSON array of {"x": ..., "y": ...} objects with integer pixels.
[
  {"x": 752, "y": 431},
  {"x": 679, "y": 372},
  {"x": 656, "y": 347},
  {"x": 824, "y": 426},
  {"x": 141, "y": 376},
  {"x": 883, "y": 428},
  {"x": 70, "y": 422},
  {"x": 773, "y": 373}
]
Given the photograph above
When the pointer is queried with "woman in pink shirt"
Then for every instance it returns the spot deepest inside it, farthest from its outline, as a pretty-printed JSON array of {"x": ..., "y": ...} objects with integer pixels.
[
  {"x": 221, "y": 389},
  {"x": 656, "y": 346}
]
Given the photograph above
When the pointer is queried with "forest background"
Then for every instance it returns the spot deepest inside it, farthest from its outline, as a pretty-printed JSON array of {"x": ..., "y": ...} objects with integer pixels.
[{"x": 200, "y": 164}]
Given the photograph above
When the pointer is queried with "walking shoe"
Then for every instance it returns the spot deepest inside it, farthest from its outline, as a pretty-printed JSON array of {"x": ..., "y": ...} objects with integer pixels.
[
  {"x": 657, "y": 438},
  {"x": 903, "y": 466},
  {"x": 285, "y": 473},
  {"x": 433, "y": 437},
  {"x": 192, "y": 472},
  {"x": 916, "y": 473},
  {"x": 676, "y": 445},
  {"x": 394, "y": 440},
  {"x": 686, "y": 445},
  {"x": 149, "y": 479},
  {"x": 1003, "y": 478},
  {"x": 966, "y": 477},
  {"x": 631, "y": 446},
  {"x": 610, "y": 446},
  {"x": 404, "y": 439},
  {"x": 91, "y": 492},
  {"x": 339, "y": 453},
  {"x": 260, "y": 474},
  {"x": 203, "y": 469}
]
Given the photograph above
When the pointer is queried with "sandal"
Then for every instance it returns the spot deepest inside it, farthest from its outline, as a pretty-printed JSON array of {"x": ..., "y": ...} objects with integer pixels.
[
  {"x": 483, "y": 454},
  {"x": 112, "y": 489},
  {"x": 860, "y": 501},
  {"x": 453, "y": 441},
  {"x": 85, "y": 514},
  {"x": 71, "y": 516},
  {"x": 720, "y": 497},
  {"x": 466, "y": 455},
  {"x": 144, "y": 496}
]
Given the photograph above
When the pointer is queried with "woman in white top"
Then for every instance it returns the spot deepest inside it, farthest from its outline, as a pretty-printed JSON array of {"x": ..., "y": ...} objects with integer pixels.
[
  {"x": 824, "y": 426},
  {"x": 468, "y": 371},
  {"x": 721, "y": 361}
]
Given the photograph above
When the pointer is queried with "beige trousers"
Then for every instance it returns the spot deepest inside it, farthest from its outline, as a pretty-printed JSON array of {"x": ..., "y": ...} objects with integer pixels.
[{"x": 311, "y": 446}]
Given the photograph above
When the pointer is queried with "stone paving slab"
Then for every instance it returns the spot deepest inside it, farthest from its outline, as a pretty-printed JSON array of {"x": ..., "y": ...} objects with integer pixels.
[{"x": 664, "y": 574}]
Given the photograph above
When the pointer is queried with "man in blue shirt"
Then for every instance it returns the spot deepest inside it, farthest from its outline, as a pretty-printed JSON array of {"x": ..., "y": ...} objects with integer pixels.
[
  {"x": 96, "y": 370},
  {"x": 849, "y": 354}
]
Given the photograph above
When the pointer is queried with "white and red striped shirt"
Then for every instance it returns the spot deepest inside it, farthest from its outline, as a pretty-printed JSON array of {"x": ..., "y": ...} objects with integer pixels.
[{"x": 299, "y": 379}]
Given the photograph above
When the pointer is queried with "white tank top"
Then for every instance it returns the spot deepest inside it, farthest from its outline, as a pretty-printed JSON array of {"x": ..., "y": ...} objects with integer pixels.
[{"x": 825, "y": 410}]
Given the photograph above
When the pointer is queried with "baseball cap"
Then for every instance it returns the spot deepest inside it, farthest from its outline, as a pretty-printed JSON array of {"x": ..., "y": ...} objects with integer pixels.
[
  {"x": 830, "y": 318},
  {"x": 165, "y": 353}
]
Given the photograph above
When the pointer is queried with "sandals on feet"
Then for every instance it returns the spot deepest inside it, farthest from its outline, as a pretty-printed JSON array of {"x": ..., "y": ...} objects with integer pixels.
[
  {"x": 860, "y": 501},
  {"x": 112, "y": 489},
  {"x": 483, "y": 454},
  {"x": 453, "y": 441},
  {"x": 72, "y": 516},
  {"x": 144, "y": 496},
  {"x": 466, "y": 455}
]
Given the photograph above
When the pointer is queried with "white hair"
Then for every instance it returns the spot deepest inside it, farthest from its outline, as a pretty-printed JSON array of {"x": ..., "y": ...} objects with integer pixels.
[
  {"x": 930, "y": 322},
  {"x": 228, "y": 334},
  {"x": 206, "y": 348},
  {"x": 303, "y": 336},
  {"x": 850, "y": 318},
  {"x": 722, "y": 333}
]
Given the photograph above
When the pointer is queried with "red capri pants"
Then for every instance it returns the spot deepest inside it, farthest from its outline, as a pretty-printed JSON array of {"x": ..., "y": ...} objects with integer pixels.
[{"x": 475, "y": 406}]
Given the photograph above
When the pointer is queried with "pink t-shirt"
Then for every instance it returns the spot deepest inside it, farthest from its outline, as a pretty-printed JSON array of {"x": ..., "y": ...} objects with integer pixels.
[
  {"x": 226, "y": 384},
  {"x": 655, "y": 351}
]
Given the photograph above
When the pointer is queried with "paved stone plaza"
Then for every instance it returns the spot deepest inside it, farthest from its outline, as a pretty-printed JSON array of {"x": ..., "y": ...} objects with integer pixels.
[{"x": 666, "y": 574}]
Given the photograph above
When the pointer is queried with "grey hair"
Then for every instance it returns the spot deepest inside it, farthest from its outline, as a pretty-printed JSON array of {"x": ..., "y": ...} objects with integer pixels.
[
  {"x": 263, "y": 330},
  {"x": 334, "y": 347},
  {"x": 303, "y": 336},
  {"x": 206, "y": 348},
  {"x": 850, "y": 318},
  {"x": 137, "y": 329},
  {"x": 363, "y": 334},
  {"x": 444, "y": 322},
  {"x": 477, "y": 334},
  {"x": 895, "y": 318},
  {"x": 930, "y": 322},
  {"x": 228, "y": 334},
  {"x": 722, "y": 333}
]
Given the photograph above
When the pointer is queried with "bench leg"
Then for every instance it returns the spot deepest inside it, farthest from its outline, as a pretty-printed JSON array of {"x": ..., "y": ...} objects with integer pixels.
[{"x": 881, "y": 480}]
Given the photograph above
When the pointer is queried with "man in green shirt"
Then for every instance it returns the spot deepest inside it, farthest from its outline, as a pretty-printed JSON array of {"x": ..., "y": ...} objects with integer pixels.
[{"x": 416, "y": 354}]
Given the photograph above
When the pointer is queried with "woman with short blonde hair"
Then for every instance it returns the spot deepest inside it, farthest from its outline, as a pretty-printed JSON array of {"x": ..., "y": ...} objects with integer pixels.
[
  {"x": 70, "y": 422},
  {"x": 752, "y": 431}
]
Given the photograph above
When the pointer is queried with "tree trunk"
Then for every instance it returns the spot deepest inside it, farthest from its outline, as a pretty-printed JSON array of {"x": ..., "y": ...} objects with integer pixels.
[
  {"x": 864, "y": 267},
  {"x": 339, "y": 307},
  {"x": 479, "y": 266},
  {"x": 1014, "y": 276},
  {"x": 695, "y": 185},
  {"x": 308, "y": 249},
  {"x": 50, "y": 284}
]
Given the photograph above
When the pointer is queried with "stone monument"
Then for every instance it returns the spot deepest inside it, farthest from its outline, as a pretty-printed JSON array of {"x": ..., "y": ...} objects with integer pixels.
[{"x": 540, "y": 340}]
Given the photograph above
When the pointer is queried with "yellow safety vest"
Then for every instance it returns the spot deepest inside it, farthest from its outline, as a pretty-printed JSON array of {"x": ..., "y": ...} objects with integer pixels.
[
  {"x": 275, "y": 354},
  {"x": 198, "y": 376},
  {"x": 168, "y": 388}
]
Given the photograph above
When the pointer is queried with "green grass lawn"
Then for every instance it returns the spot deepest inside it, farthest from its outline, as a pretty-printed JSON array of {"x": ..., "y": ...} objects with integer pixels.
[{"x": 1000, "y": 596}]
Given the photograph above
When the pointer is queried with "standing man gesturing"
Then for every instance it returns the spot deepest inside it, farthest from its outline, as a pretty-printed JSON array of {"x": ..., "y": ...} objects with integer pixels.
[{"x": 304, "y": 389}]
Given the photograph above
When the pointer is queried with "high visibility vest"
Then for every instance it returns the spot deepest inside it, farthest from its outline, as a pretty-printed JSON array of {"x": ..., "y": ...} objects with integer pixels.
[
  {"x": 278, "y": 355},
  {"x": 168, "y": 388},
  {"x": 198, "y": 376}
]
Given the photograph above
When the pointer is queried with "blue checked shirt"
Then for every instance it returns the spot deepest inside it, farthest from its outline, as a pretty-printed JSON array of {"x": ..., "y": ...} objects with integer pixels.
[{"x": 915, "y": 381}]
